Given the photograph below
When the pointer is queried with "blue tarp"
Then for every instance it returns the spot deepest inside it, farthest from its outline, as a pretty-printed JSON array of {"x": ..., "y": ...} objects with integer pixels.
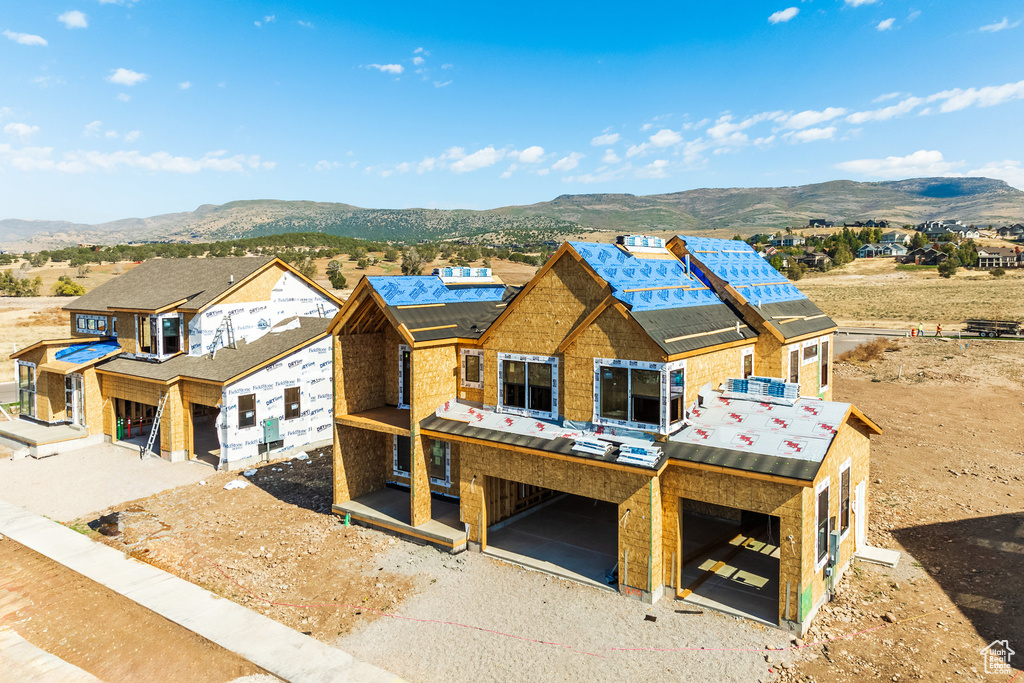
[
  {"x": 738, "y": 264},
  {"x": 409, "y": 290},
  {"x": 89, "y": 351},
  {"x": 625, "y": 271}
]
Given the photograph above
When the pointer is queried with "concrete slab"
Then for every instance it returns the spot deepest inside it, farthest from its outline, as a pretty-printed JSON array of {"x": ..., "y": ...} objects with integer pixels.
[
  {"x": 35, "y": 434},
  {"x": 388, "y": 509},
  {"x": 882, "y": 556},
  {"x": 285, "y": 653}
]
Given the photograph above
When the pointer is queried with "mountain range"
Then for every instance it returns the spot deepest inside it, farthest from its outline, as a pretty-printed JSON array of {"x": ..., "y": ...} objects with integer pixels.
[{"x": 978, "y": 201}]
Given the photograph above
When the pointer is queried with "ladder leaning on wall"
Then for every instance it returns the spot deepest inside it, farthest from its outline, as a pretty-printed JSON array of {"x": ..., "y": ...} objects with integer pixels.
[
  {"x": 224, "y": 330},
  {"x": 154, "y": 430}
]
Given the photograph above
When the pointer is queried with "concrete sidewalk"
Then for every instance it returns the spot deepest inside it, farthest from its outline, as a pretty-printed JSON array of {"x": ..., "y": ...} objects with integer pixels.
[
  {"x": 23, "y": 662},
  {"x": 276, "y": 648}
]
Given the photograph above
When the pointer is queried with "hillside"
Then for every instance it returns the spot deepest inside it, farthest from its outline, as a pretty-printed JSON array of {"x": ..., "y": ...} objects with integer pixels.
[{"x": 981, "y": 201}]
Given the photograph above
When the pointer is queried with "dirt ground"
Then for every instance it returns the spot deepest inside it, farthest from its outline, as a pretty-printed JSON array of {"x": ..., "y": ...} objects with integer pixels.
[
  {"x": 102, "y": 632},
  {"x": 873, "y": 293},
  {"x": 24, "y": 321}
]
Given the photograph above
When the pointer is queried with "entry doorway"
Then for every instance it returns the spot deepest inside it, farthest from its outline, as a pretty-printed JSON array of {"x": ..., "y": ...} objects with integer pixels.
[
  {"x": 729, "y": 560},
  {"x": 74, "y": 399},
  {"x": 205, "y": 441},
  {"x": 135, "y": 421}
]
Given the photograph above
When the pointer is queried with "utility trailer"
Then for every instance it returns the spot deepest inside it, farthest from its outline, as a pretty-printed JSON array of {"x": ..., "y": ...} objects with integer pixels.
[{"x": 991, "y": 328}]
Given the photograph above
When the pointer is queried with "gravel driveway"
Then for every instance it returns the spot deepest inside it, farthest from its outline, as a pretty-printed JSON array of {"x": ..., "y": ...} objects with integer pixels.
[{"x": 69, "y": 485}]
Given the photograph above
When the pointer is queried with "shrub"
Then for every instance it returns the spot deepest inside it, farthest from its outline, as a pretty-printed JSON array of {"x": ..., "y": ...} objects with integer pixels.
[
  {"x": 795, "y": 272},
  {"x": 363, "y": 264},
  {"x": 997, "y": 272},
  {"x": 947, "y": 268},
  {"x": 392, "y": 254},
  {"x": 65, "y": 286},
  {"x": 412, "y": 262}
]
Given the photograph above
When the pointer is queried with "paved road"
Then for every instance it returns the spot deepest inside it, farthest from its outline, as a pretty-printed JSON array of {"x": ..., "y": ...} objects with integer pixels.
[
  {"x": 8, "y": 392},
  {"x": 850, "y": 337}
]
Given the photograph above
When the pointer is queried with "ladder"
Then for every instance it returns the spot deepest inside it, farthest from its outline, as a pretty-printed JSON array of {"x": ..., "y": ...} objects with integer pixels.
[
  {"x": 224, "y": 330},
  {"x": 155, "y": 429},
  {"x": 321, "y": 310}
]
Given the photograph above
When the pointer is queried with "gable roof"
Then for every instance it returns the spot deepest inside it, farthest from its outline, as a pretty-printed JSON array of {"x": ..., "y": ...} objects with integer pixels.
[{"x": 164, "y": 283}]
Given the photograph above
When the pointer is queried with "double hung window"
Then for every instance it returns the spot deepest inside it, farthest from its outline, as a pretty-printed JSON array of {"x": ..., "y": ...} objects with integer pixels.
[
  {"x": 247, "y": 410},
  {"x": 822, "y": 524}
]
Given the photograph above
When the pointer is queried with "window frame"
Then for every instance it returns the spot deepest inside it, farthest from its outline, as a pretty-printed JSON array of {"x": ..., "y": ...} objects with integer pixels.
[
  {"x": 428, "y": 454},
  {"x": 155, "y": 321},
  {"x": 845, "y": 489},
  {"x": 403, "y": 390},
  {"x": 821, "y": 553},
  {"x": 665, "y": 370},
  {"x": 86, "y": 318},
  {"x": 298, "y": 403},
  {"x": 463, "y": 355},
  {"x": 812, "y": 344},
  {"x": 744, "y": 355},
  {"x": 240, "y": 412},
  {"x": 825, "y": 364},
  {"x": 527, "y": 412},
  {"x": 395, "y": 471},
  {"x": 29, "y": 392},
  {"x": 794, "y": 367}
]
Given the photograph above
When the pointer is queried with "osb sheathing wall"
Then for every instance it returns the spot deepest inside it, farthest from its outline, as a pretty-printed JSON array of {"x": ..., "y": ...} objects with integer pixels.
[
  {"x": 392, "y": 340},
  {"x": 93, "y": 401},
  {"x": 201, "y": 393},
  {"x": 360, "y": 368},
  {"x": 712, "y": 368},
  {"x": 769, "y": 357},
  {"x": 50, "y": 396},
  {"x": 362, "y": 460},
  {"x": 258, "y": 288},
  {"x": 781, "y": 500},
  {"x": 851, "y": 443},
  {"x": 435, "y": 373},
  {"x": 629, "y": 490},
  {"x": 125, "y": 326},
  {"x": 172, "y": 428}
]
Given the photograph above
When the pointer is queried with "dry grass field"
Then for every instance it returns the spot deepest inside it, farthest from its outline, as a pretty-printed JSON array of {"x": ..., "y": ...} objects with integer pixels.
[{"x": 873, "y": 293}]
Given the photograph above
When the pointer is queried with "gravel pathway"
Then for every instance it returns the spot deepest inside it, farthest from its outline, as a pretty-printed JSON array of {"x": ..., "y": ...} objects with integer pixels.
[
  {"x": 588, "y": 623},
  {"x": 69, "y": 485}
]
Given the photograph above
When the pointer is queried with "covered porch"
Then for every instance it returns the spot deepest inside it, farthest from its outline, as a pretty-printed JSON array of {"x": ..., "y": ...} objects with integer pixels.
[{"x": 389, "y": 509}]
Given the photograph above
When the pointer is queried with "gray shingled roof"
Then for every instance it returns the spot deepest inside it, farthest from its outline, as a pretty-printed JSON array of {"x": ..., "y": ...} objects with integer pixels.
[
  {"x": 807, "y": 318},
  {"x": 470, "y": 318},
  {"x": 226, "y": 363},
  {"x": 161, "y": 282},
  {"x": 700, "y": 327}
]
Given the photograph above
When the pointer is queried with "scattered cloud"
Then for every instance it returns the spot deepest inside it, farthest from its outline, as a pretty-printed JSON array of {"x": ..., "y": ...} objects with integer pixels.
[
  {"x": 124, "y": 97},
  {"x": 913, "y": 15},
  {"x": 530, "y": 155},
  {"x": 920, "y": 163},
  {"x": 305, "y": 24},
  {"x": 858, "y": 3},
  {"x": 417, "y": 60},
  {"x": 111, "y": 135},
  {"x": 126, "y": 77},
  {"x": 610, "y": 157},
  {"x": 93, "y": 129},
  {"x": 325, "y": 165},
  {"x": 567, "y": 163},
  {"x": 810, "y": 118},
  {"x": 999, "y": 26},
  {"x": 636, "y": 150},
  {"x": 26, "y": 38},
  {"x": 447, "y": 66},
  {"x": 655, "y": 169},
  {"x": 387, "y": 68},
  {"x": 132, "y": 135},
  {"x": 811, "y": 134},
  {"x": 1010, "y": 171},
  {"x": 782, "y": 16},
  {"x": 442, "y": 84},
  {"x": 83, "y": 161},
  {"x": 988, "y": 96},
  {"x": 604, "y": 139},
  {"x": 885, "y": 24},
  {"x": 725, "y": 133},
  {"x": 902, "y": 107},
  {"x": 266, "y": 20},
  {"x": 887, "y": 96},
  {"x": 73, "y": 19},
  {"x": 184, "y": 85},
  {"x": 21, "y": 131},
  {"x": 666, "y": 138},
  {"x": 482, "y": 158}
]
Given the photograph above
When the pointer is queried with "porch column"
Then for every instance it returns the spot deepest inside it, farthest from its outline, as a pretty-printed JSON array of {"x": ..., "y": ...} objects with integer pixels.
[{"x": 419, "y": 479}]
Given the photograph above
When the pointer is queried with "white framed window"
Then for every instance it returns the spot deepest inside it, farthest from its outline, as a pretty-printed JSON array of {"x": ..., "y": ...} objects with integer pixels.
[
  {"x": 404, "y": 376},
  {"x": 402, "y": 456},
  {"x": 159, "y": 335},
  {"x": 439, "y": 462},
  {"x": 472, "y": 365},
  {"x": 528, "y": 385},
  {"x": 844, "y": 499},
  {"x": 639, "y": 394},
  {"x": 821, "y": 523},
  {"x": 91, "y": 324},
  {"x": 810, "y": 351},
  {"x": 747, "y": 363},
  {"x": 794, "y": 364},
  {"x": 826, "y": 360},
  {"x": 26, "y": 387}
]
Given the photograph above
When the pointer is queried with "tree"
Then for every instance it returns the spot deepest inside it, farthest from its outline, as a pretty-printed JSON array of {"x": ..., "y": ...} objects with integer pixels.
[
  {"x": 38, "y": 260},
  {"x": 997, "y": 272},
  {"x": 65, "y": 286},
  {"x": 841, "y": 254},
  {"x": 918, "y": 241},
  {"x": 363, "y": 264},
  {"x": 392, "y": 254},
  {"x": 357, "y": 254},
  {"x": 776, "y": 262},
  {"x": 333, "y": 266},
  {"x": 83, "y": 270},
  {"x": 795, "y": 272},
  {"x": 412, "y": 262},
  {"x": 337, "y": 278},
  {"x": 947, "y": 268},
  {"x": 738, "y": 238},
  {"x": 306, "y": 267}
]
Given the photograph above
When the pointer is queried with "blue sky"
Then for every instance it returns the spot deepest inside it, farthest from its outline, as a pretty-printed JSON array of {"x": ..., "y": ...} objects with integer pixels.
[{"x": 113, "y": 108}]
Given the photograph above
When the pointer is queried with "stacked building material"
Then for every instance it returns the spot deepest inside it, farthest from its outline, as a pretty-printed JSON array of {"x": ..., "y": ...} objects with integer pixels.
[
  {"x": 592, "y": 446},
  {"x": 645, "y": 456}
]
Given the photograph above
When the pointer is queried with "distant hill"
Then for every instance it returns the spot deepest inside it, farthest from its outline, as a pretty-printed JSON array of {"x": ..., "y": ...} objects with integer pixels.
[{"x": 981, "y": 201}]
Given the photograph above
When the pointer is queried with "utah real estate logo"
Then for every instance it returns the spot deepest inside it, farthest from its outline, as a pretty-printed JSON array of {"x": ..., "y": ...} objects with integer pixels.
[{"x": 997, "y": 657}]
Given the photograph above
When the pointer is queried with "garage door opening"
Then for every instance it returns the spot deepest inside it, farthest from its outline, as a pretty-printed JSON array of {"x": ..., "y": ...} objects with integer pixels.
[
  {"x": 205, "y": 443},
  {"x": 730, "y": 560},
  {"x": 135, "y": 422},
  {"x": 557, "y": 533}
]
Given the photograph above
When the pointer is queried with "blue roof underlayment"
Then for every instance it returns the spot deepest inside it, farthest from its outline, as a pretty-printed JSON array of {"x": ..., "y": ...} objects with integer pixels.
[
  {"x": 90, "y": 351},
  {"x": 625, "y": 271},
  {"x": 746, "y": 270},
  {"x": 409, "y": 290}
]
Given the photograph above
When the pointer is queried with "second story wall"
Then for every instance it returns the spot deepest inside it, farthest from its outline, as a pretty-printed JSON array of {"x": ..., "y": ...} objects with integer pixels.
[{"x": 91, "y": 324}]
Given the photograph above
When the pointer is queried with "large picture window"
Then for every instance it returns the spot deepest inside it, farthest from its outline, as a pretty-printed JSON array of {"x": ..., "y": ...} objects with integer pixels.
[
  {"x": 528, "y": 385},
  {"x": 159, "y": 335},
  {"x": 639, "y": 395}
]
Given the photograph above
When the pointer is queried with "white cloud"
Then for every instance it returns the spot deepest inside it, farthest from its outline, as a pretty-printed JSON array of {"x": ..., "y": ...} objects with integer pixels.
[
  {"x": 447, "y": 66},
  {"x": 666, "y": 138},
  {"x": 73, "y": 19},
  {"x": 913, "y": 15},
  {"x": 634, "y": 150},
  {"x": 132, "y": 135},
  {"x": 84, "y": 161},
  {"x": 482, "y": 158},
  {"x": 988, "y": 96},
  {"x": 858, "y": 3},
  {"x": 442, "y": 84},
  {"x": 428, "y": 164},
  {"x": 885, "y": 24},
  {"x": 305, "y": 24},
  {"x": 811, "y": 134},
  {"x": 655, "y": 169},
  {"x": 920, "y": 163},
  {"x": 783, "y": 16},
  {"x": 124, "y": 97},
  {"x": 266, "y": 20},
  {"x": 610, "y": 157},
  {"x": 22, "y": 131},
  {"x": 93, "y": 129},
  {"x": 324, "y": 165},
  {"x": 725, "y": 133},
  {"x": 810, "y": 118},
  {"x": 646, "y": 127},
  {"x": 126, "y": 77},
  {"x": 902, "y": 107},
  {"x": 999, "y": 26},
  {"x": 26, "y": 38},
  {"x": 111, "y": 134},
  {"x": 1010, "y": 171},
  {"x": 604, "y": 140},
  {"x": 887, "y": 96},
  {"x": 530, "y": 155},
  {"x": 567, "y": 163},
  {"x": 185, "y": 85},
  {"x": 387, "y": 68},
  {"x": 417, "y": 60}
]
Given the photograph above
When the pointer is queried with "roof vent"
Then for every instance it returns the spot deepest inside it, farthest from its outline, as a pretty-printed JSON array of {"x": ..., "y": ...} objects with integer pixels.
[
  {"x": 464, "y": 275},
  {"x": 231, "y": 279}
]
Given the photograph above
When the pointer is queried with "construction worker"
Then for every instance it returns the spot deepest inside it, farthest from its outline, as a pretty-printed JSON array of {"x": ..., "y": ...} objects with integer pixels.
[
  {"x": 920, "y": 329},
  {"x": 938, "y": 330}
]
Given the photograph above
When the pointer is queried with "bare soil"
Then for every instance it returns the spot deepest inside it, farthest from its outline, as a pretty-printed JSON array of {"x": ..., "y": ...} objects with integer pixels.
[{"x": 102, "y": 632}]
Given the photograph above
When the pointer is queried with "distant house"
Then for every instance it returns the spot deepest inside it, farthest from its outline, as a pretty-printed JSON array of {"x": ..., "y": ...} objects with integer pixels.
[
  {"x": 788, "y": 241},
  {"x": 1011, "y": 232},
  {"x": 872, "y": 223},
  {"x": 935, "y": 229},
  {"x": 925, "y": 256},
  {"x": 881, "y": 250},
  {"x": 770, "y": 252},
  {"x": 895, "y": 237},
  {"x": 1000, "y": 257},
  {"x": 820, "y": 223},
  {"x": 814, "y": 259}
]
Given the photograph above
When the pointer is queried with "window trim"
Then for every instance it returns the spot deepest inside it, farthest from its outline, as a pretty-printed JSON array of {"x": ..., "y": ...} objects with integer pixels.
[
  {"x": 463, "y": 354},
  {"x": 401, "y": 376},
  {"x": 526, "y": 412},
  {"x": 144, "y": 319},
  {"x": 395, "y": 472},
  {"x": 822, "y": 485},
  {"x": 789, "y": 353},
  {"x": 255, "y": 420},
  {"x": 825, "y": 365},
  {"x": 447, "y": 481},
  {"x": 744, "y": 353},
  {"x": 845, "y": 467},
  {"x": 665, "y": 370},
  {"x": 33, "y": 391},
  {"x": 284, "y": 399},
  {"x": 803, "y": 352},
  {"x": 88, "y": 317}
]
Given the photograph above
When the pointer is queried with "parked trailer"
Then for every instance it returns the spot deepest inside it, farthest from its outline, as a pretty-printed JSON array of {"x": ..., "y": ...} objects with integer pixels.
[{"x": 992, "y": 328}]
